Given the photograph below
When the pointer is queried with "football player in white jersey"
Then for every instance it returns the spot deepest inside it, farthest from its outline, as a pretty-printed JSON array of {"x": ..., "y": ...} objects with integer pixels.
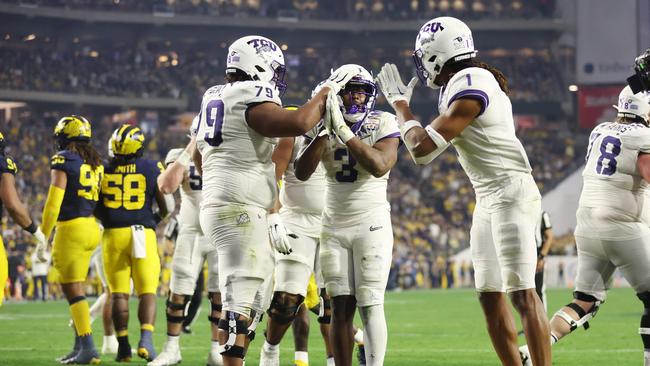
[
  {"x": 476, "y": 117},
  {"x": 357, "y": 236},
  {"x": 612, "y": 230},
  {"x": 191, "y": 251},
  {"x": 237, "y": 130}
]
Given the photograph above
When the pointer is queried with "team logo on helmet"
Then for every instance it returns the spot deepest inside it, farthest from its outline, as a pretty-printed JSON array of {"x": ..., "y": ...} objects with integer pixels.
[{"x": 127, "y": 140}]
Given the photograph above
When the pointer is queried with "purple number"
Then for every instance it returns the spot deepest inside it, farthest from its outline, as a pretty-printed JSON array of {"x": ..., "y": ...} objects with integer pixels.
[
  {"x": 214, "y": 119},
  {"x": 469, "y": 79},
  {"x": 609, "y": 167},
  {"x": 196, "y": 181},
  {"x": 347, "y": 173},
  {"x": 268, "y": 91}
]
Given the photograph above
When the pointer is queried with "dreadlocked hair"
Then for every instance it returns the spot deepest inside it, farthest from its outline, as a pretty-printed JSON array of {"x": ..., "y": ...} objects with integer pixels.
[
  {"x": 472, "y": 62},
  {"x": 87, "y": 152},
  {"x": 233, "y": 75}
]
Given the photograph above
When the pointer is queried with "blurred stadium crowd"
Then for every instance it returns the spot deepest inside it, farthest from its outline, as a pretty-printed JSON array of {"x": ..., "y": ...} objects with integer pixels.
[
  {"x": 431, "y": 206},
  {"x": 313, "y": 9}
]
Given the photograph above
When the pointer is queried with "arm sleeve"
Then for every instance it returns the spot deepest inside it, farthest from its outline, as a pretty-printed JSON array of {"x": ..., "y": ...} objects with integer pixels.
[{"x": 51, "y": 209}]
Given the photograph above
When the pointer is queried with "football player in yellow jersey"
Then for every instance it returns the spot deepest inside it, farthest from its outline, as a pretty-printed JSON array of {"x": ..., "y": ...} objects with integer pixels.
[
  {"x": 9, "y": 198},
  {"x": 76, "y": 173},
  {"x": 130, "y": 248}
]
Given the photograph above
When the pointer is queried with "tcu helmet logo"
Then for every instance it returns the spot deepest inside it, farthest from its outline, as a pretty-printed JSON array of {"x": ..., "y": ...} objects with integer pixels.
[
  {"x": 431, "y": 28},
  {"x": 233, "y": 57},
  {"x": 263, "y": 44}
]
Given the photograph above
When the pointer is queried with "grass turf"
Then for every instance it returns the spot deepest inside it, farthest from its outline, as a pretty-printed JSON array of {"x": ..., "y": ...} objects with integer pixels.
[{"x": 437, "y": 327}]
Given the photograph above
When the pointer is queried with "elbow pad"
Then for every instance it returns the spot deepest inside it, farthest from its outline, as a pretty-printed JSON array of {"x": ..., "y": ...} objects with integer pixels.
[{"x": 51, "y": 209}]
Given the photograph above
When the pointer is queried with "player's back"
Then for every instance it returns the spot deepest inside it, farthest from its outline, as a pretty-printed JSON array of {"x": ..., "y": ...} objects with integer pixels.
[
  {"x": 237, "y": 166},
  {"x": 611, "y": 178},
  {"x": 82, "y": 186},
  {"x": 128, "y": 192},
  {"x": 303, "y": 196},
  {"x": 351, "y": 189},
  {"x": 488, "y": 149},
  {"x": 190, "y": 191}
]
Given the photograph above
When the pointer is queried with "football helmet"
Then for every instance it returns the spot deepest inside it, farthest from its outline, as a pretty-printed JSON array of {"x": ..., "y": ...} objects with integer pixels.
[
  {"x": 72, "y": 128},
  {"x": 260, "y": 58},
  {"x": 642, "y": 69},
  {"x": 3, "y": 144},
  {"x": 361, "y": 83},
  {"x": 127, "y": 141},
  {"x": 633, "y": 106},
  {"x": 441, "y": 40}
]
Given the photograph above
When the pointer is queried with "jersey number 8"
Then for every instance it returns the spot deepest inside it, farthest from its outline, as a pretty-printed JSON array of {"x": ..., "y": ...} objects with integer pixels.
[{"x": 126, "y": 191}]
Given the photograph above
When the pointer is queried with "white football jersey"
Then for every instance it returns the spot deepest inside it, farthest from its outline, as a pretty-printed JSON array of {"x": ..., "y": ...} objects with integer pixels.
[
  {"x": 305, "y": 197},
  {"x": 352, "y": 190},
  {"x": 488, "y": 148},
  {"x": 188, "y": 215},
  {"x": 237, "y": 166},
  {"x": 611, "y": 178}
]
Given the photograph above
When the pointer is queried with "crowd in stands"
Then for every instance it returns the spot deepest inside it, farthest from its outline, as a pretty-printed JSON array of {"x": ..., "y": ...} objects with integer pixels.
[
  {"x": 323, "y": 9},
  {"x": 431, "y": 205},
  {"x": 158, "y": 70}
]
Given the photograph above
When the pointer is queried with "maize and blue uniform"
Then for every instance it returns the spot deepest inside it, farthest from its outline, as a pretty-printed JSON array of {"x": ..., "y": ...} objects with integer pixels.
[
  {"x": 7, "y": 165},
  {"x": 77, "y": 232},
  {"x": 130, "y": 249}
]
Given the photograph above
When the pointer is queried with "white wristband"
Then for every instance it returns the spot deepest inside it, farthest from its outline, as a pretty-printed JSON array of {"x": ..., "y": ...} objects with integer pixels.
[
  {"x": 406, "y": 126},
  {"x": 184, "y": 159},
  {"x": 345, "y": 133},
  {"x": 436, "y": 137}
]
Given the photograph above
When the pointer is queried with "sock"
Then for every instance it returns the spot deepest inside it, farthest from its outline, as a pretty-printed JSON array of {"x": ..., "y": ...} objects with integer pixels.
[
  {"x": 173, "y": 341},
  {"x": 646, "y": 357},
  {"x": 358, "y": 336},
  {"x": 146, "y": 333},
  {"x": 303, "y": 357},
  {"x": 123, "y": 337},
  {"x": 214, "y": 345},
  {"x": 268, "y": 347},
  {"x": 81, "y": 317},
  {"x": 375, "y": 333},
  {"x": 330, "y": 361}
]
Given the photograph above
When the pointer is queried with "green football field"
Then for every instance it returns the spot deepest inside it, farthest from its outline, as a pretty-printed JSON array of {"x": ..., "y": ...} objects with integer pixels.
[{"x": 439, "y": 327}]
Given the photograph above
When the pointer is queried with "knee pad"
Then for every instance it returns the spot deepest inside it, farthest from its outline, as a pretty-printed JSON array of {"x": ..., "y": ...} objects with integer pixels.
[
  {"x": 284, "y": 307},
  {"x": 583, "y": 317},
  {"x": 214, "y": 307},
  {"x": 175, "y": 307},
  {"x": 234, "y": 327},
  {"x": 325, "y": 313}
]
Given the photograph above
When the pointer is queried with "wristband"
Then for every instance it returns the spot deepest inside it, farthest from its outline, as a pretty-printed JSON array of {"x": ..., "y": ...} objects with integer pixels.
[{"x": 31, "y": 228}]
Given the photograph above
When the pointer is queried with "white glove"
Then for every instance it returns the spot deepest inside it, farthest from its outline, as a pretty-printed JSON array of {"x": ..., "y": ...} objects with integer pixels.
[
  {"x": 339, "y": 78},
  {"x": 41, "y": 245},
  {"x": 279, "y": 234},
  {"x": 391, "y": 84},
  {"x": 334, "y": 119}
]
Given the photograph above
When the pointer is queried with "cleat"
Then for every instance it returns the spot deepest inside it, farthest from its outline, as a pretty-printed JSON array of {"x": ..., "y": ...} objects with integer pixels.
[
  {"x": 75, "y": 350},
  {"x": 124, "y": 353},
  {"x": 361, "y": 354},
  {"x": 109, "y": 347},
  {"x": 146, "y": 350},
  {"x": 84, "y": 357},
  {"x": 525, "y": 356},
  {"x": 269, "y": 358},
  {"x": 214, "y": 358},
  {"x": 168, "y": 356},
  {"x": 187, "y": 329}
]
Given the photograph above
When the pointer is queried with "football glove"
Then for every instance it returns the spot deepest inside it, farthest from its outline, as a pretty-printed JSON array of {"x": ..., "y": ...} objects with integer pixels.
[
  {"x": 391, "y": 85},
  {"x": 339, "y": 78},
  {"x": 279, "y": 234},
  {"x": 334, "y": 119},
  {"x": 41, "y": 245}
]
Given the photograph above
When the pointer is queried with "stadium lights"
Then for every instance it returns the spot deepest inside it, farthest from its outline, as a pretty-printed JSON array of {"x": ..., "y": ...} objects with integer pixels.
[
  {"x": 7, "y": 37},
  {"x": 30, "y": 37},
  {"x": 93, "y": 54},
  {"x": 573, "y": 88},
  {"x": 284, "y": 47}
]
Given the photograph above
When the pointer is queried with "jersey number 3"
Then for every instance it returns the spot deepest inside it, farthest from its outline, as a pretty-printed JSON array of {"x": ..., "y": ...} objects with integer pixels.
[{"x": 347, "y": 173}]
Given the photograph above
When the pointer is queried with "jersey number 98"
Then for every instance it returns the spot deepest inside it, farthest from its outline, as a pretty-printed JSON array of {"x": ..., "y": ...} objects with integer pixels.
[
  {"x": 89, "y": 181},
  {"x": 126, "y": 191}
]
